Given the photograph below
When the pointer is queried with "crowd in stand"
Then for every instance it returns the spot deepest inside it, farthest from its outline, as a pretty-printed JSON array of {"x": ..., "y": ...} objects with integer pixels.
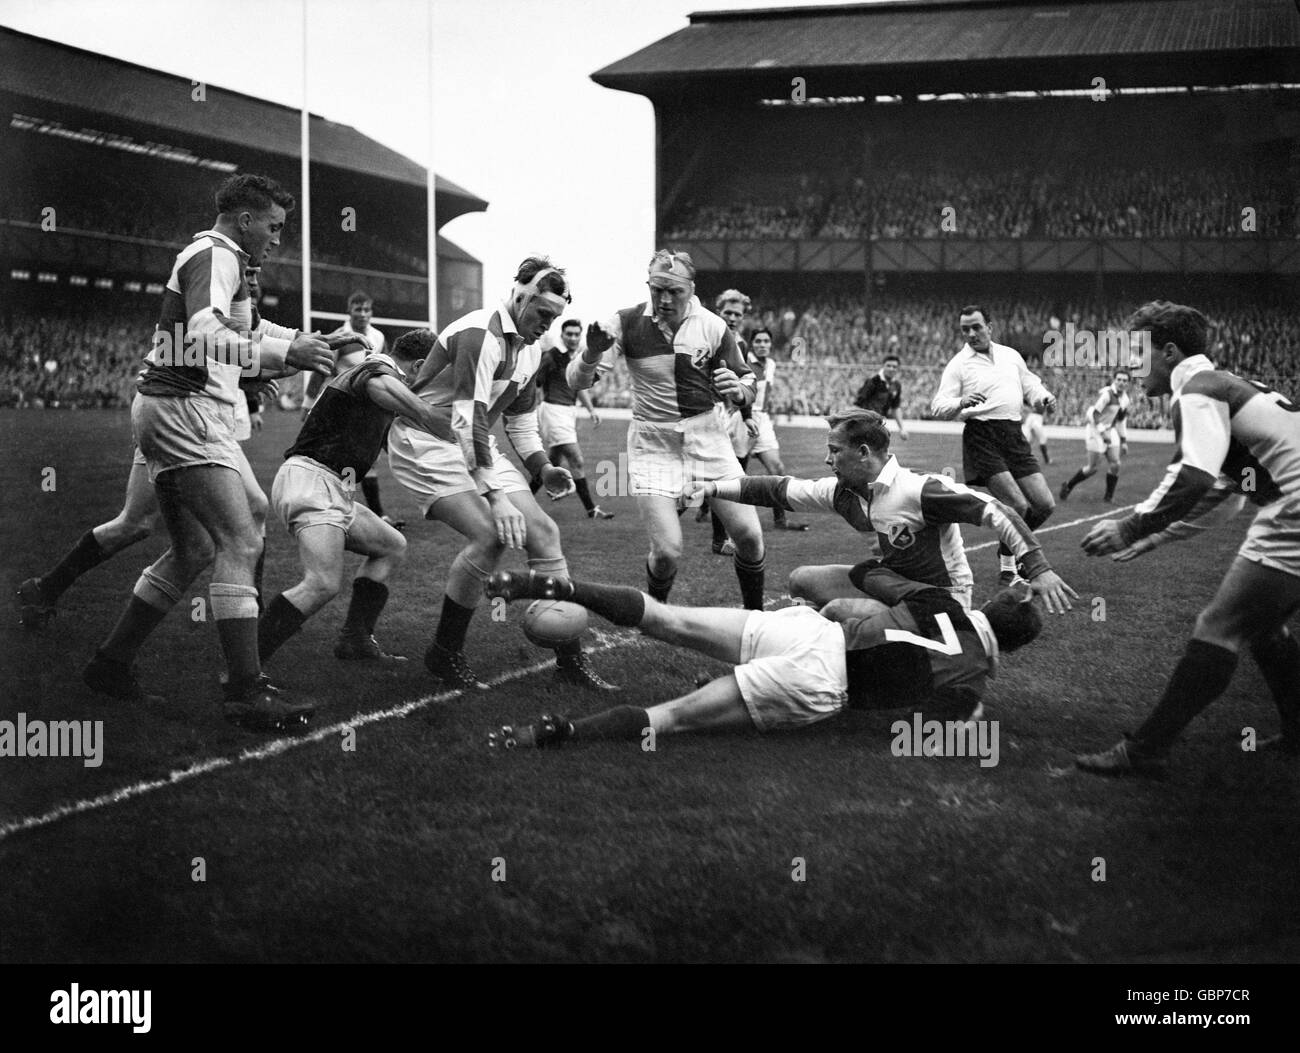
[{"x": 1088, "y": 200}]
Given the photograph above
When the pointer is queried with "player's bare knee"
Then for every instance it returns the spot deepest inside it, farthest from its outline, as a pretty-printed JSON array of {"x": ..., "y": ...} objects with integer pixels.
[
  {"x": 665, "y": 555},
  {"x": 543, "y": 537},
  {"x": 323, "y": 585},
  {"x": 802, "y": 583}
]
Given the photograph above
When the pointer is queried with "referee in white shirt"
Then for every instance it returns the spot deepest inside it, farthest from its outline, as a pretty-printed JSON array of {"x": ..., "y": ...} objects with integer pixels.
[{"x": 985, "y": 385}]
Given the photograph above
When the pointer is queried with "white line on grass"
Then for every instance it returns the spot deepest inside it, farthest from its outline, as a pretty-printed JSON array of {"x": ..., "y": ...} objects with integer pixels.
[{"x": 276, "y": 747}]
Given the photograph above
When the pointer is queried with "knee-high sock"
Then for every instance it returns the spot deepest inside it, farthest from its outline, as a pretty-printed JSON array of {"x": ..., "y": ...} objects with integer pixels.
[
  {"x": 621, "y": 722},
  {"x": 234, "y": 609},
  {"x": 280, "y": 622},
  {"x": 1075, "y": 480},
  {"x": 151, "y": 599},
  {"x": 620, "y": 604},
  {"x": 1036, "y": 516},
  {"x": 750, "y": 576},
  {"x": 1200, "y": 677},
  {"x": 84, "y": 555},
  {"x": 1111, "y": 479},
  {"x": 1278, "y": 655},
  {"x": 659, "y": 587},
  {"x": 368, "y": 599},
  {"x": 584, "y": 493}
]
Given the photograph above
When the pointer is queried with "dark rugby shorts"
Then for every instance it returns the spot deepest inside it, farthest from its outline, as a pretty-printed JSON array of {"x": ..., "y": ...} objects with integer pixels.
[{"x": 992, "y": 446}]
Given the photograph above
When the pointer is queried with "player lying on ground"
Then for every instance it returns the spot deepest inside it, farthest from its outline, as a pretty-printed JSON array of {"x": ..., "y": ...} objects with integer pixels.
[
  {"x": 1106, "y": 435},
  {"x": 1233, "y": 435},
  {"x": 795, "y": 666},
  {"x": 138, "y": 519},
  {"x": 913, "y": 517},
  {"x": 482, "y": 368},
  {"x": 313, "y": 495}
]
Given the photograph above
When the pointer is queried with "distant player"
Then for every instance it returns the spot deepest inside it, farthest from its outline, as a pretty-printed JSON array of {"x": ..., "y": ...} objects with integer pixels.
[
  {"x": 183, "y": 421},
  {"x": 883, "y": 393},
  {"x": 1035, "y": 431},
  {"x": 913, "y": 516},
  {"x": 38, "y": 597},
  {"x": 762, "y": 443},
  {"x": 1237, "y": 436},
  {"x": 682, "y": 359},
  {"x": 558, "y": 410},
  {"x": 794, "y": 667},
  {"x": 985, "y": 385},
  {"x": 361, "y": 309},
  {"x": 732, "y": 305},
  {"x": 482, "y": 368},
  {"x": 313, "y": 496},
  {"x": 1105, "y": 435}
]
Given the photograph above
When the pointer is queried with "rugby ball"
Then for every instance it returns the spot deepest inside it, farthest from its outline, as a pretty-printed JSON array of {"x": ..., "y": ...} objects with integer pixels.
[{"x": 552, "y": 623}]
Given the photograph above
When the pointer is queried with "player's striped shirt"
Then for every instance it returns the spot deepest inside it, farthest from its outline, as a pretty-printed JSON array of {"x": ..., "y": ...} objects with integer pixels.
[
  {"x": 671, "y": 373},
  {"x": 1001, "y": 376},
  {"x": 914, "y": 515},
  {"x": 765, "y": 375},
  {"x": 1226, "y": 428},
  {"x": 346, "y": 429},
  {"x": 927, "y": 647},
  {"x": 1110, "y": 409},
  {"x": 205, "y": 341},
  {"x": 480, "y": 370}
]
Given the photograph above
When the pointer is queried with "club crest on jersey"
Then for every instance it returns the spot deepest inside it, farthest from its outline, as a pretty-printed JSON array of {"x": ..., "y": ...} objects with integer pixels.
[
  {"x": 900, "y": 535},
  {"x": 700, "y": 357}
]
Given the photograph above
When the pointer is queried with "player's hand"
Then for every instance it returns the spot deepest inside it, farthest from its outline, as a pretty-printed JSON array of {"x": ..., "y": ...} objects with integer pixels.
[
  {"x": 255, "y": 420},
  {"x": 902, "y": 434},
  {"x": 694, "y": 492},
  {"x": 511, "y": 527},
  {"x": 751, "y": 426},
  {"x": 1053, "y": 591},
  {"x": 598, "y": 341},
  {"x": 595, "y": 419},
  {"x": 1123, "y": 448},
  {"x": 727, "y": 383},
  {"x": 1045, "y": 405},
  {"x": 1104, "y": 538},
  {"x": 973, "y": 400},
  {"x": 558, "y": 482},
  {"x": 1140, "y": 546},
  {"x": 312, "y": 353},
  {"x": 339, "y": 341}
]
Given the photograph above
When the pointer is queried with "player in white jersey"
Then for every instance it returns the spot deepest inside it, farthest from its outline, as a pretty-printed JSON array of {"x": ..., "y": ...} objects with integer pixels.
[
  {"x": 1105, "y": 436},
  {"x": 763, "y": 444},
  {"x": 183, "y": 422},
  {"x": 1233, "y": 436}
]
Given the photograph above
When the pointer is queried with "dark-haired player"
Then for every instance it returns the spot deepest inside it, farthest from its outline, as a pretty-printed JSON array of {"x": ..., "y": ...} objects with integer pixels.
[
  {"x": 883, "y": 393},
  {"x": 313, "y": 495},
  {"x": 483, "y": 368},
  {"x": 1234, "y": 436},
  {"x": 682, "y": 360},
  {"x": 138, "y": 519},
  {"x": 763, "y": 442},
  {"x": 183, "y": 422},
  {"x": 555, "y": 415},
  {"x": 794, "y": 667},
  {"x": 985, "y": 384},
  {"x": 913, "y": 516},
  {"x": 1105, "y": 435}
]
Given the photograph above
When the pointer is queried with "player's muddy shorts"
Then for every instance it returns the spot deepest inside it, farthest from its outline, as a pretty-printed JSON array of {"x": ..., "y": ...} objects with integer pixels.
[
  {"x": 557, "y": 424},
  {"x": 792, "y": 668},
  {"x": 432, "y": 469},
  {"x": 663, "y": 458},
  {"x": 306, "y": 493},
  {"x": 992, "y": 446},
  {"x": 1274, "y": 537},
  {"x": 1095, "y": 441},
  {"x": 174, "y": 431}
]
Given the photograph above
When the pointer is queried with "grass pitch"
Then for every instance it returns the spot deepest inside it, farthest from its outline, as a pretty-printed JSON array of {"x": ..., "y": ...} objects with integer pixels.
[{"x": 418, "y": 844}]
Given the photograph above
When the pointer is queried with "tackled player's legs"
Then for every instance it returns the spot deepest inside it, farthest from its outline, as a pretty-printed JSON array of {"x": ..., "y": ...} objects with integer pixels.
[{"x": 820, "y": 585}]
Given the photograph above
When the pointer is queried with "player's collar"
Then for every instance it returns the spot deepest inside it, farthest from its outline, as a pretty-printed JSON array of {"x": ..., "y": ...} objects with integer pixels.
[
  {"x": 987, "y": 637},
  {"x": 221, "y": 237},
  {"x": 1186, "y": 369},
  {"x": 692, "y": 306},
  {"x": 379, "y": 356},
  {"x": 888, "y": 474},
  {"x": 508, "y": 326}
]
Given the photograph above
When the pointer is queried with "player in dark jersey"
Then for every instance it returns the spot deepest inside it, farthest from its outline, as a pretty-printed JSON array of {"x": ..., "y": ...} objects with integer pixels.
[
  {"x": 883, "y": 393},
  {"x": 313, "y": 495},
  {"x": 555, "y": 415},
  {"x": 1233, "y": 436},
  {"x": 794, "y": 666}
]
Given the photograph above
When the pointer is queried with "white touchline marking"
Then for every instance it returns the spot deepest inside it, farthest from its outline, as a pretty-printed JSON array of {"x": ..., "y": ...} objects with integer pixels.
[
  {"x": 1058, "y": 526},
  {"x": 608, "y": 641},
  {"x": 275, "y": 747}
]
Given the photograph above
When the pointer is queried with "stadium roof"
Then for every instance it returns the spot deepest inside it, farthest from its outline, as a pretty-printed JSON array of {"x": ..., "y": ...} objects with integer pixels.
[
  {"x": 976, "y": 45},
  {"x": 68, "y": 76}
]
